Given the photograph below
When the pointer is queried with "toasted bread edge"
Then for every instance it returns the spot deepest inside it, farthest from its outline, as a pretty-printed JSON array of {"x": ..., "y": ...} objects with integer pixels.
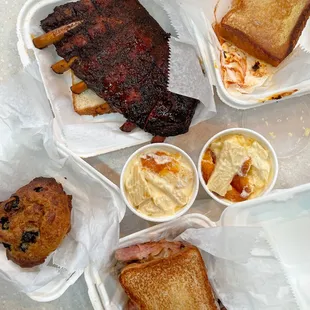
[
  {"x": 299, "y": 27},
  {"x": 209, "y": 291},
  {"x": 244, "y": 42}
]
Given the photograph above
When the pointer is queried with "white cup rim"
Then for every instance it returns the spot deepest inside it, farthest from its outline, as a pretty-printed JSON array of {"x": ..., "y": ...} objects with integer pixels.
[
  {"x": 250, "y": 133},
  {"x": 178, "y": 213}
]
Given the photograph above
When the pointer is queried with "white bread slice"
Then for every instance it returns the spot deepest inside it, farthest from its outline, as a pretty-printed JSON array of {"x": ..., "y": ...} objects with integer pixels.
[
  {"x": 266, "y": 29},
  {"x": 88, "y": 103},
  {"x": 179, "y": 282}
]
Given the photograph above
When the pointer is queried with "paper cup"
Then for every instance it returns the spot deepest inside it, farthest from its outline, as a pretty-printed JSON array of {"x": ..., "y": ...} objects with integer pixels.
[
  {"x": 247, "y": 133},
  {"x": 168, "y": 148}
]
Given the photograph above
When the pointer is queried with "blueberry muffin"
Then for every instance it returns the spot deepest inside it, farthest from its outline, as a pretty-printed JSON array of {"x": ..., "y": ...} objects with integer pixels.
[{"x": 34, "y": 221}]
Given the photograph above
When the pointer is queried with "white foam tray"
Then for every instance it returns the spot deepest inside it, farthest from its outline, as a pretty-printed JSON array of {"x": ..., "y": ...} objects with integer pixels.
[
  {"x": 55, "y": 289},
  {"x": 85, "y": 135},
  {"x": 257, "y": 211},
  {"x": 104, "y": 289},
  {"x": 208, "y": 52}
]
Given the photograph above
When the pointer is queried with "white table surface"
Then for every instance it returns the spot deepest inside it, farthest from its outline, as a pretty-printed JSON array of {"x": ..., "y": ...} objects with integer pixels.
[{"x": 294, "y": 170}]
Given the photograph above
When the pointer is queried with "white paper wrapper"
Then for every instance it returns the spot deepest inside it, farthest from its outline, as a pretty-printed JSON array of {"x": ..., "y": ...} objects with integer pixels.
[
  {"x": 242, "y": 269},
  {"x": 89, "y": 136},
  {"x": 292, "y": 73},
  {"x": 27, "y": 151},
  {"x": 292, "y": 250},
  {"x": 304, "y": 41}
]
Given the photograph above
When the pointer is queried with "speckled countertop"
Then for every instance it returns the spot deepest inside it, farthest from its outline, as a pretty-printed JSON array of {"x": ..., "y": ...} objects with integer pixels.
[{"x": 286, "y": 130}]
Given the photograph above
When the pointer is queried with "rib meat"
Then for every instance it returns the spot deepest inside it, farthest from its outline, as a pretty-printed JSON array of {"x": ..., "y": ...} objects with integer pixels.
[{"x": 122, "y": 54}]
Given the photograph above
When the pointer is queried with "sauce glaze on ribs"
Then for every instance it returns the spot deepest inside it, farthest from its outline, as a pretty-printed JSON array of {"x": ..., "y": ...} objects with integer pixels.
[{"x": 122, "y": 54}]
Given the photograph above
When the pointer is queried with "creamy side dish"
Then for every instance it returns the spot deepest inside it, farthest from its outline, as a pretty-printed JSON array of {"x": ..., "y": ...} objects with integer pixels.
[
  {"x": 242, "y": 72},
  {"x": 236, "y": 167},
  {"x": 159, "y": 183}
]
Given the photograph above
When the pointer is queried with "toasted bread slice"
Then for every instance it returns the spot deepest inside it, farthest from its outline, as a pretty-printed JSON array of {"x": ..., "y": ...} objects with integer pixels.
[
  {"x": 177, "y": 282},
  {"x": 266, "y": 29},
  {"x": 88, "y": 103}
]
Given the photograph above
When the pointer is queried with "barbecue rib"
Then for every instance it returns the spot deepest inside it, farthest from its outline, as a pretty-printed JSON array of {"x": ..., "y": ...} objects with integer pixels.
[{"x": 122, "y": 53}]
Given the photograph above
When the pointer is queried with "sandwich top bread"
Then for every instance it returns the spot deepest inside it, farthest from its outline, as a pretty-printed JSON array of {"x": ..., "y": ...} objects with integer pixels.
[
  {"x": 169, "y": 275},
  {"x": 266, "y": 29}
]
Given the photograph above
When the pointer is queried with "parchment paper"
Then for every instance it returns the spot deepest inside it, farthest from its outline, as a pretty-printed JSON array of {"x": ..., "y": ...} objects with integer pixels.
[
  {"x": 244, "y": 272},
  {"x": 27, "y": 151}
]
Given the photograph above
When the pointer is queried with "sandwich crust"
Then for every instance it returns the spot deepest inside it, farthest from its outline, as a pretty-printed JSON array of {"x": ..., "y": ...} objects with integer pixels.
[
  {"x": 267, "y": 29},
  {"x": 177, "y": 282}
]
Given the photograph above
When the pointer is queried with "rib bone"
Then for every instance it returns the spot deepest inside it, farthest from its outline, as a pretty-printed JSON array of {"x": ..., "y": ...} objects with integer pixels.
[
  {"x": 79, "y": 88},
  {"x": 62, "y": 66},
  {"x": 54, "y": 36}
]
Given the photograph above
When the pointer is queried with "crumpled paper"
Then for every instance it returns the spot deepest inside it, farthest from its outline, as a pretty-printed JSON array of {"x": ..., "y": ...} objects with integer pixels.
[
  {"x": 27, "y": 151},
  {"x": 292, "y": 250},
  {"x": 89, "y": 136},
  {"x": 244, "y": 272},
  {"x": 304, "y": 41},
  {"x": 292, "y": 73},
  {"x": 265, "y": 263}
]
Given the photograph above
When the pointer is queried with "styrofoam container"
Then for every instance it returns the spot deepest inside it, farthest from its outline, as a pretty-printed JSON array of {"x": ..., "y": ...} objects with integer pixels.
[
  {"x": 56, "y": 288},
  {"x": 208, "y": 52},
  {"x": 85, "y": 135},
  {"x": 247, "y": 133},
  {"x": 104, "y": 289},
  {"x": 168, "y": 148},
  {"x": 257, "y": 211}
]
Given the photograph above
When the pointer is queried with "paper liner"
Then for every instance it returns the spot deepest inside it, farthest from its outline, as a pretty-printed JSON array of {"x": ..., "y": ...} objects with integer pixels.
[
  {"x": 292, "y": 251},
  {"x": 304, "y": 40},
  {"x": 186, "y": 76}
]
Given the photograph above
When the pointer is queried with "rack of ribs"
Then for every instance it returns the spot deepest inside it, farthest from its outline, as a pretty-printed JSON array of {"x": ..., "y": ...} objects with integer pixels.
[{"x": 119, "y": 51}]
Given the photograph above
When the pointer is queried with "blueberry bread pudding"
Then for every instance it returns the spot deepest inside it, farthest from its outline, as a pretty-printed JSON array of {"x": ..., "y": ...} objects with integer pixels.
[{"x": 34, "y": 221}]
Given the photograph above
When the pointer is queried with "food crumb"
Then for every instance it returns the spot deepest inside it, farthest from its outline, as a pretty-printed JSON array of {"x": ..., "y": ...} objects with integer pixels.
[
  {"x": 267, "y": 124},
  {"x": 256, "y": 66},
  {"x": 307, "y": 132},
  {"x": 301, "y": 118},
  {"x": 290, "y": 134},
  {"x": 279, "y": 120},
  {"x": 272, "y": 135}
]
